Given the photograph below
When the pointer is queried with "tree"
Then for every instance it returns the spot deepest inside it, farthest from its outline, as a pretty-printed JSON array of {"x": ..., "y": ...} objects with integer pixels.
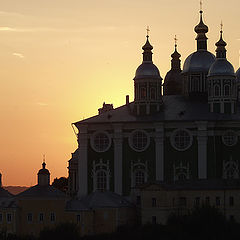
[{"x": 61, "y": 183}]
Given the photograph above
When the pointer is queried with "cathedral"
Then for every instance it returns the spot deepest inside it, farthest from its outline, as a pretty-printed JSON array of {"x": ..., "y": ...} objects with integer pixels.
[{"x": 185, "y": 128}]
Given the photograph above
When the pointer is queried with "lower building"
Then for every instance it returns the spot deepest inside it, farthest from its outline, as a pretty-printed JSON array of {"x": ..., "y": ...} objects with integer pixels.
[
  {"x": 43, "y": 206},
  {"x": 158, "y": 201}
]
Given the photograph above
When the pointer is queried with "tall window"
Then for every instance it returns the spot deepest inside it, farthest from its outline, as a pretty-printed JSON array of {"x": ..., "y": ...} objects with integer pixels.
[
  {"x": 153, "y": 93},
  {"x": 41, "y": 217},
  {"x": 143, "y": 92},
  {"x": 52, "y": 217},
  {"x": 231, "y": 201},
  {"x": 78, "y": 218},
  {"x": 1, "y": 217},
  {"x": 217, "y": 201},
  {"x": 226, "y": 90},
  {"x": 139, "y": 177},
  {"x": 216, "y": 91},
  {"x": 29, "y": 217},
  {"x": 101, "y": 180},
  {"x": 154, "y": 202},
  {"x": 9, "y": 217}
]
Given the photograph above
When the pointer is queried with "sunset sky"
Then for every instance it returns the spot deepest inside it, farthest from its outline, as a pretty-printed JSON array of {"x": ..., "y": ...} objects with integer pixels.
[{"x": 61, "y": 59}]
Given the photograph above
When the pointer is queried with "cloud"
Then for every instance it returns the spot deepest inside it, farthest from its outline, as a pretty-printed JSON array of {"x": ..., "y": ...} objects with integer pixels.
[
  {"x": 4, "y": 13},
  {"x": 8, "y": 29},
  {"x": 42, "y": 104},
  {"x": 18, "y": 55}
]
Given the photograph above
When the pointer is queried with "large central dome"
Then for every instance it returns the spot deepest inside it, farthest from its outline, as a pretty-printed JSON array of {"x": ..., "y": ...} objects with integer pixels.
[{"x": 199, "y": 61}]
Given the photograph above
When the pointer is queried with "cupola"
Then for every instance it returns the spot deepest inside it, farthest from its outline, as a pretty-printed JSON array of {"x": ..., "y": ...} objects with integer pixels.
[
  {"x": 43, "y": 176},
  {"x": 197, "y": 64},
  {"x": 173, "y": 80},
  {"x": 147, "y": 84},
  {"x": 222, "y": 93}
]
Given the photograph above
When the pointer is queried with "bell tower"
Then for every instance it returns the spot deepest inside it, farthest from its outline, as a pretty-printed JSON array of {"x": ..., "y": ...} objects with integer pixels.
[{"x": 147, "y": 84}]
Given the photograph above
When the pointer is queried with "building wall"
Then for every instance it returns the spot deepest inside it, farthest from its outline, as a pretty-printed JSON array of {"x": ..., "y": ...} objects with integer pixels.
[
  {"x": 171, "y": 201},
  {"x": 8, "y": 219}
]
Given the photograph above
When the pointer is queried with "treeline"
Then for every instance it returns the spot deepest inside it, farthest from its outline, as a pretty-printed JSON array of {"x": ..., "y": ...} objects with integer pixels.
[{"x": 205, "y": 223}]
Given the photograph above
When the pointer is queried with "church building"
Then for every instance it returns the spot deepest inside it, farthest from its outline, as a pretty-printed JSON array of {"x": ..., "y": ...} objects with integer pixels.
[{"x": 186, "y": 128}]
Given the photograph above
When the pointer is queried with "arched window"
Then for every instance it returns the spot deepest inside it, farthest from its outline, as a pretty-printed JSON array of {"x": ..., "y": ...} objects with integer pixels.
[
  {"x": 101, "y": 180},
  {"x": 226, "y": 90},
  {"x": 153, "y": 93},
  {"x": 139, "y": 177},
  {"x": 216, "y": 91},
  {"x": 143, "y": 92}
]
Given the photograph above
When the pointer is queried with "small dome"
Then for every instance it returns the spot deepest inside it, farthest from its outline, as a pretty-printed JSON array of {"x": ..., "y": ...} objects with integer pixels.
[
  {"x": 221, "y": 67},
  {"x": 199, "y": 61},
  {"x": 43, "y": 171},
  {"x": 201, "y": 27},
  {"x": 147, "y": 69},
  {"x": 238, "y": 74}
]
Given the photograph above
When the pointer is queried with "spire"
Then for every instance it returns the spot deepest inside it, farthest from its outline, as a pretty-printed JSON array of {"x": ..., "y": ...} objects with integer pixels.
[
  {"x": 201, "y": 29},
  {"x": 147, "y": 49},
  {"x": 221, "y": 44},
  {"x": 44, "y": 163},
  {"x": 176, "y": 57}
]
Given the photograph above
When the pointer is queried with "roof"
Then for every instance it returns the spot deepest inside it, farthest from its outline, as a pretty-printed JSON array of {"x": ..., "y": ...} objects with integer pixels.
[
  {"x": 108, "y": 199},
  {"x": 38, "y": 191},
  {"x": 175, "y": 108},
  {"x": 200, "y": 184},
  {"x": 4, "y": 194}
]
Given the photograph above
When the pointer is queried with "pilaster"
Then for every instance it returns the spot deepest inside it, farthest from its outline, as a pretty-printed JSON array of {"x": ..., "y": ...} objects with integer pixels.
[
  {"x": 159, "y": 151},
  {"x": 118, "y": 159},
  {"x": 82, "y": 162},
  {"x": 202, "y": 149}
]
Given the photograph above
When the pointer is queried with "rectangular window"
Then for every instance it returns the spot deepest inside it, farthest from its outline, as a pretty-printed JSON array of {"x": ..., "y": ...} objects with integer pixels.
[
  {"x": 52, "y": 217},
  {"x": 231, "y": 201},
  {"x": 154, "y": 202},
  {"x": 29, "y": 217},
  {"x": 41, "y": 217},
  {"x": 154, "y": 220},
  {"x": 138, "y": 200},
  {"x": 1, "y": 217},
  {"x": 207, "y": 201},
  {"x": 217, "y": 201},
  {"x": 78, "y": 218},
  {"x": 197, "y": 201},
  {"x": 9, "y": 217},
  {"x": 183, "y": 201}
]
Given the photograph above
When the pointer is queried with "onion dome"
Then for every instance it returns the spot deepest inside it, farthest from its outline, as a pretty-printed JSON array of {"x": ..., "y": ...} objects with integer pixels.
[
  {"x": 43, "y": 176},
  {"x": 201, "y": 60},
  {"x": 147, "y": 69},
  {"x": 238, "y": 74},
  {"x": 173, "y": 80},
  {"x": 221, "y": 66}
]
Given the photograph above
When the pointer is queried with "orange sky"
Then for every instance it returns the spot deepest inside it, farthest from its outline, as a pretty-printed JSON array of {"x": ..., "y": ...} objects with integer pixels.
[{"x": 61, "y": 59}]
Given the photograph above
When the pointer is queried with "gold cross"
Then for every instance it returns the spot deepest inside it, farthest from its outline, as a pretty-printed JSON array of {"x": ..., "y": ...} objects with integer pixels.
[
  {"x": 175, "y": 39},
  {"x": 148, "y": 30},
  {"x": 201, "y": 5},
  {"x": 221, "y": 25}
]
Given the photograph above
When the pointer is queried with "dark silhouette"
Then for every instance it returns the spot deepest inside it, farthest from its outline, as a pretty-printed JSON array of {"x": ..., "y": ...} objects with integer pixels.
[{"x": 61, "y": 184}]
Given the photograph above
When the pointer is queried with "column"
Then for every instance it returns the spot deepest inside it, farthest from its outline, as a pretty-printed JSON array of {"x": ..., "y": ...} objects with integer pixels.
[
  {"x": 118, "y": 159},
  {"x": 159, "y": 140},
  {"x": 202, "y": 150},
  {"x": 82, "y": 162}
]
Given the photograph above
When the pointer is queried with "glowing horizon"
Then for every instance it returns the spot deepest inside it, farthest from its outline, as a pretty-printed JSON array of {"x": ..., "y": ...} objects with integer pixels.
[{"x": 62, "y": 59}]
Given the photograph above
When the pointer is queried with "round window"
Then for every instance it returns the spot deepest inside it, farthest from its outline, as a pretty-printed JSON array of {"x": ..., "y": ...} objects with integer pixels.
[
  {"x": 139, "y": 140},
  {"x": 181, "y": 139},
  {"x": 100, "y": 142},
  {"x": 229, "y": 138}
]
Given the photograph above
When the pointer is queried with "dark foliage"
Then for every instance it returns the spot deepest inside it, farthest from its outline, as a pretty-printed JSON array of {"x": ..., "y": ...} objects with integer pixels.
[
  {"x": 62, "y": 231},
  {"x": 61, "y": 184}
]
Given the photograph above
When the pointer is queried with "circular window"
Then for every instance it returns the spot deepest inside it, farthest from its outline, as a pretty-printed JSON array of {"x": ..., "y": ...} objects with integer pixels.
[
  {"x": 100, "y": 142},
  {"x": 229, "y": 138},
  {"x": 139, "y": 140},
  {"x": 181, "y": 139}
]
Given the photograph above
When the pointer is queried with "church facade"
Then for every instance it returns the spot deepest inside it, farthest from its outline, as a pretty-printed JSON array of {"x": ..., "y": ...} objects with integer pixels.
[{"x": 185, "y": 128}]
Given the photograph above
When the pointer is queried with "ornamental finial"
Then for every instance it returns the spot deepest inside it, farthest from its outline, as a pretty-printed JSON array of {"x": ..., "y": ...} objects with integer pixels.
[{"x": 148, "y": 30}]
